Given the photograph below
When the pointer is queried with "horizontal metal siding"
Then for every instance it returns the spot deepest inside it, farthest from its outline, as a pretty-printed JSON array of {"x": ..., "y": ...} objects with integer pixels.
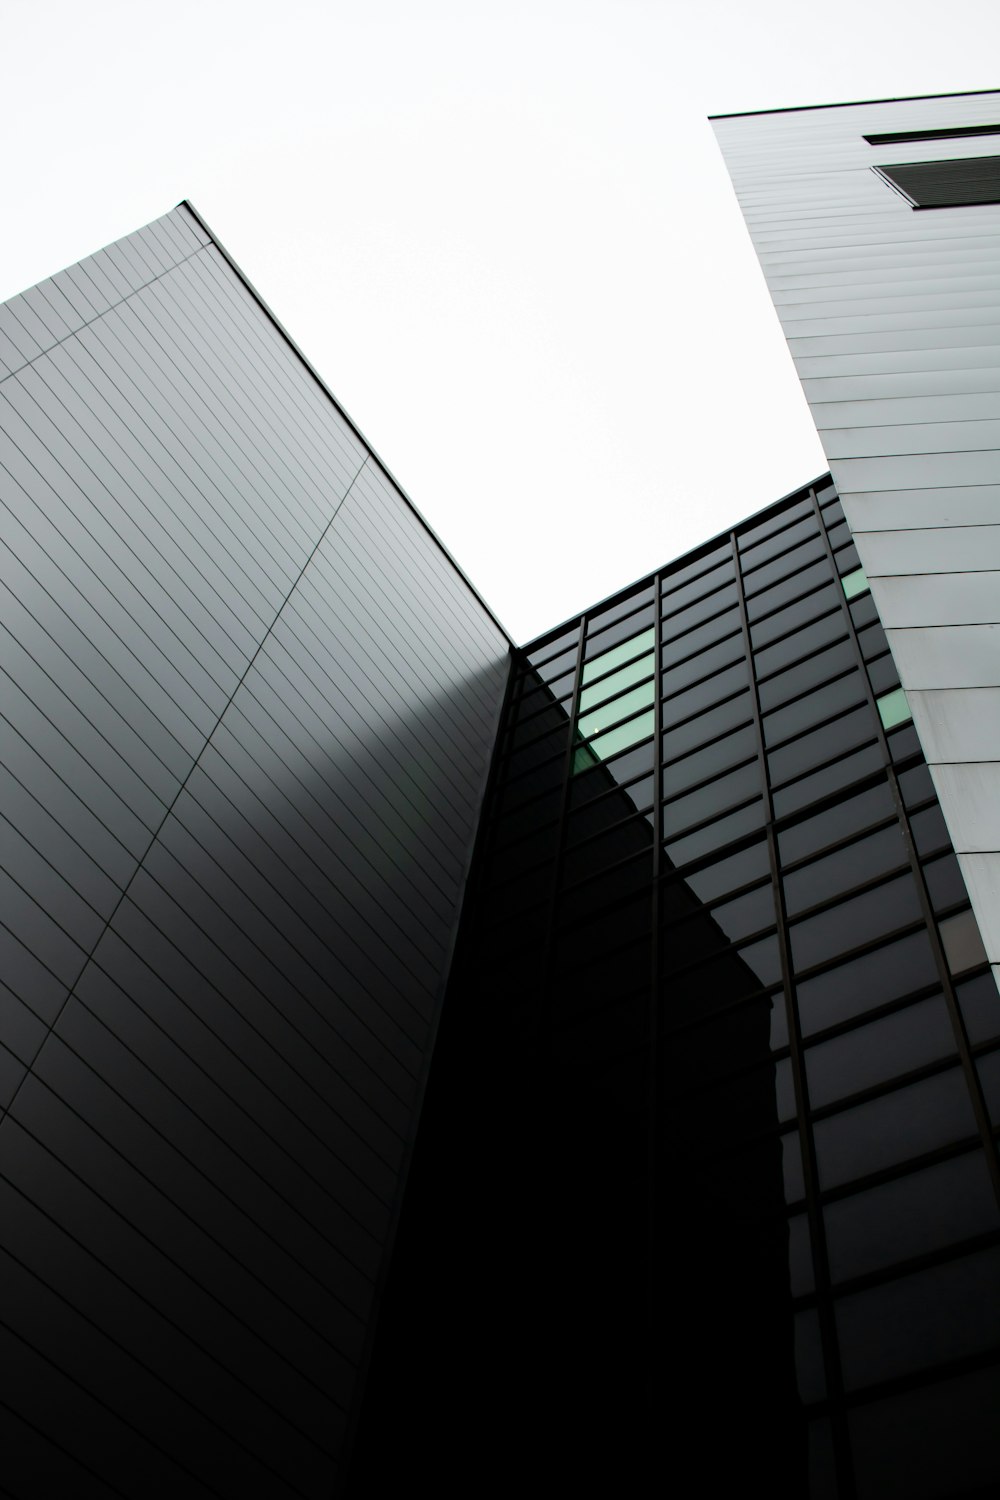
[{"x": 893, "y": 319}]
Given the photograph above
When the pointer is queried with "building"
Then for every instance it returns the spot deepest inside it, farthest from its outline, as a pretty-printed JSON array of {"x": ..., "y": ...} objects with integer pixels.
[
  {"x": 877, "y": 228},
  {"x": 244, "y": 746},
  {"x": 706, "y": 1184},
  {"x": 705, "y": 1179}
]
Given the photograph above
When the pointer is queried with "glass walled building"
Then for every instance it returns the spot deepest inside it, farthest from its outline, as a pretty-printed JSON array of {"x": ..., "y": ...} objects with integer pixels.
[{"x": 713, "y": 1108}]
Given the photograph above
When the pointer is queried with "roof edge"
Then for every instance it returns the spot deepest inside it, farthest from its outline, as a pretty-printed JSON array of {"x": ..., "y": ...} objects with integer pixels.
[
  {"x": 283, "y": 331},
  {"x": 705, "y": 546},
  {"x": 792, "y": 109}
]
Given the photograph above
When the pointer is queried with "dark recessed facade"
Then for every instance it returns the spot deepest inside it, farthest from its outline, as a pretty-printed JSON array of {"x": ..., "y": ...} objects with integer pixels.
[{"x": 709, "y": 1169}]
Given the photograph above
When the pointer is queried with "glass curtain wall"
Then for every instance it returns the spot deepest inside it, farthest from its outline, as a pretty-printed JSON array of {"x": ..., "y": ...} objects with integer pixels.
[{"x": 718, "y": 1080}]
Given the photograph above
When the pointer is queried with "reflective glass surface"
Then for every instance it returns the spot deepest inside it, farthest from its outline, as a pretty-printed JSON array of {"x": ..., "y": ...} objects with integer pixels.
[
  {"x": 894, "y": 709},
  {"x": 735, "y": 952},
  {"x": 854, "y": 583}
]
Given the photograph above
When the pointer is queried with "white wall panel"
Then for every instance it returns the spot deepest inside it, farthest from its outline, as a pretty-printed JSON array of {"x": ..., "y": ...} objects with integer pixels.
[
  {"x": 903, "y": 510},
  {"x": 952, "y": 656},
  {"x": 861, "y": 389},
  {"x": 911, "y": 437},
  {"x": 971, "y": 793},
  {"x": 982, "y": 876},
  {"x": 933, "y": 550},
  {"x": 893, "y": 319},
  {"x": 916, "y": 470},
  {"x": 962, "y": 406},
  {"x": 961, "y": 724},
  {"x": 925, "y": 599}
]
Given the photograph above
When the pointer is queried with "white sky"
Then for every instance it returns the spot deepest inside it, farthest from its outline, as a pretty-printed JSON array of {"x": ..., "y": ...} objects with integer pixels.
[{"x": 502, "y": 232}]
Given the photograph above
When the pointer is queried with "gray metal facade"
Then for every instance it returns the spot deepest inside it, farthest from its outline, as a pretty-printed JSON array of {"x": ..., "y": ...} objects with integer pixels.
[
  {"x": 247, "y": 706},
  {"x": 892, "y": 316}
]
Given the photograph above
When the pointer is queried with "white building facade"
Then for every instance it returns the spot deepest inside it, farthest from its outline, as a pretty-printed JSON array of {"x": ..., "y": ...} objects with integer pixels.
[{"x": 877, "y": 226}]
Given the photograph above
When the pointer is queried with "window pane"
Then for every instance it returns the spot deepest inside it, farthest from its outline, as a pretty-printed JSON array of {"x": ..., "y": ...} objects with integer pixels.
[
  {"x": 916, "y": 786},
  {"x": 730, "y": 976},
  {"x": 704, "y": 694},
  {"x": 920, "y": 1320},
  {"x": 843, "y": 773},
  {"x": 980, "y": 1006},
  {"x": 883, "y": 676},
  {"x": 885, "y": 1049},
  {"x": 894, "y": 709},
  {"x": 595, "y": 817},
  {"x": 697, "y": 578},
  {"x": 618, "y": 708},
  {"x": 839, "y": 821},
  {"x": 609, "y": 744},
  {"x": 634, "y": 646},
  {"x": 774, "y": 524},
  {"x": 697, "y": 613},
  {"x": 731, "y": 873},
  {"x": 674, "y": 678},
  {"x": 700, "y": 636},
  {"x": 809, "y": 582},
  {"x": 863, "y": 611},
  {"x": 627, "y": 838},
  {"x": 543, "y": 653},
  {"x": 710, "y": 761},
  {"x": 945, "y": 885},
  {"x": 746, "y": 914},
  {"x": 844, "y": 869},
  {"x": 963, "y": 945},
  {"x": 821, "y": 744},
  {"x": 801, "y": 643},
  {"x": 894, "y": 1128},
  {"x": 727, "y": 791},
  {"x": 758, "y": 551},
  {"x": 616, "y": 683},
  {"x": 855, "y": 583},
  {"x": 714, "y": 836},
  {"x": 819, "y": 668},
  {"x": 855, "y": 922},
  {"x": 914, "y": 1214},
  {"x": 831, "y": 698},
  {"x": 846, "y": 559},
  {"x": 605, "y": 617},
  {"x": 889, "y": 973},
  {"x": 606, "y": 778},
  {"x": 873, "y": 641},
  {"x": 800, "y": 613},
  {"x": 809, "y": 551},
  {"x": 707, "y": 726},
  {"x": 620, "y": 636},
  {"x": 558, "y": 664}
]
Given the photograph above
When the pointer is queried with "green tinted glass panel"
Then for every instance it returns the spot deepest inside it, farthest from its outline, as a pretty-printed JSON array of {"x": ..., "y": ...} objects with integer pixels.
[
  {"x": 854, "y": 583},
  {"x": 606, "y": 745},
  {"x": 628, "y": 703},
  {"x": 616, "y": 683},
  {"x": 894, "y": 708},
  {"x": 608, "y": 659},
  {"x": 583, "y": 759}
]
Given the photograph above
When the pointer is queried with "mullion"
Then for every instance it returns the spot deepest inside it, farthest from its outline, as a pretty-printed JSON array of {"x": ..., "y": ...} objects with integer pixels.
[{"x": 817, "y": 1236}]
